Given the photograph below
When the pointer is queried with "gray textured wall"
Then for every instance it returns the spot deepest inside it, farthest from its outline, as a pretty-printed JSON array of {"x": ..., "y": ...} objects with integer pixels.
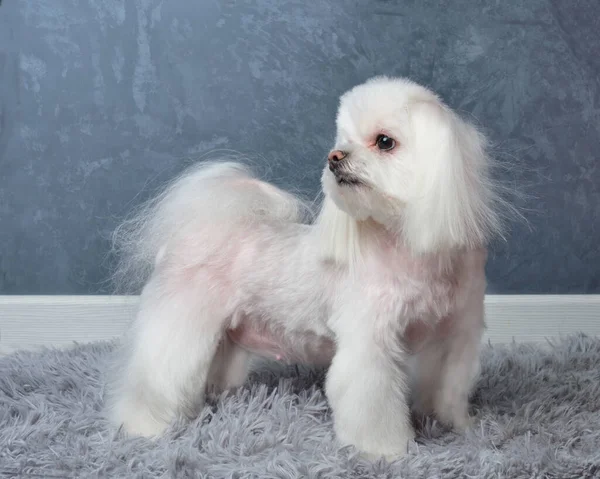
[{"x": 99, "y": 99}]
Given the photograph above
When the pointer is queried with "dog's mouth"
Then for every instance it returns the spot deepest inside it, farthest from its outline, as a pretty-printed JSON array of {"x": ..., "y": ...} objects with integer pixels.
[{"x": 343, "y": 179}]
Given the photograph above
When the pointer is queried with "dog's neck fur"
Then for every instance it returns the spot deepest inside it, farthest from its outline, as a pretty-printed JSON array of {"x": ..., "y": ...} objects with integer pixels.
[{"x": 348, "y": 241}]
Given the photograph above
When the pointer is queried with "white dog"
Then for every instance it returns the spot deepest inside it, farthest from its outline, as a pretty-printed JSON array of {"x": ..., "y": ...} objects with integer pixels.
[{"x": 392, "y": 269}]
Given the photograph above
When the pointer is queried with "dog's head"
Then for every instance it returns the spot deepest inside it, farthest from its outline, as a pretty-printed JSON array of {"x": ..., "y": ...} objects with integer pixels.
[{"x": 405, "y": 160}]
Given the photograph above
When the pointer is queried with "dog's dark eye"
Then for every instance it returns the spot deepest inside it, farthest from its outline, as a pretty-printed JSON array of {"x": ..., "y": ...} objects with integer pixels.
[{"x": 385, "y": 143}]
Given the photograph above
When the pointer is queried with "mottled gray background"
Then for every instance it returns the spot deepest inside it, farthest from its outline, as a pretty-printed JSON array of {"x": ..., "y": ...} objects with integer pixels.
[{"x": 100, "y": 100}]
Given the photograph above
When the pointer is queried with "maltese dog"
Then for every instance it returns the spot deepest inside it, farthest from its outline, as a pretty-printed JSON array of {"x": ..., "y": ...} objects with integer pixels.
[{"x": 385, "y": 287}]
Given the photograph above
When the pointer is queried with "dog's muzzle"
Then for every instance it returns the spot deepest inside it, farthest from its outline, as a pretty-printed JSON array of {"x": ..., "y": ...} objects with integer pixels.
[{"x": 337, "y": 161}]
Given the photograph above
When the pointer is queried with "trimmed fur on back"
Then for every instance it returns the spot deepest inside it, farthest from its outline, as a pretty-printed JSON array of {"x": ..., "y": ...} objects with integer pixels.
[{"x": 201, "y": 197}]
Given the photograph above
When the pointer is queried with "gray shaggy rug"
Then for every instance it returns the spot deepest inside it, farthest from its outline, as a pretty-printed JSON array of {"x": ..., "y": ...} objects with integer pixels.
[{"x": 537, "y": 411}]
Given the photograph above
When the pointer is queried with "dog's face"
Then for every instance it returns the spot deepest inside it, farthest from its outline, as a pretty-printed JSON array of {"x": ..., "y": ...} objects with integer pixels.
[
  {"x": 370, "y": 167},
  {"x": 402, "y": 158}
]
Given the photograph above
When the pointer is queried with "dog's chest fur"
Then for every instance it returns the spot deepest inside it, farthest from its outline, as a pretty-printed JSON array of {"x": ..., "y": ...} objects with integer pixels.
[
  {"x": 416, "y": 287},
  {"x": 426, "y": 286}
]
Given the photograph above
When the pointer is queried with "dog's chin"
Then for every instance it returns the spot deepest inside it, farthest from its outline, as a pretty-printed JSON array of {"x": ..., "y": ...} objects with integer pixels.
[
  {"x": 341, "y": 182},
  {"x": 349, "y": 195}
]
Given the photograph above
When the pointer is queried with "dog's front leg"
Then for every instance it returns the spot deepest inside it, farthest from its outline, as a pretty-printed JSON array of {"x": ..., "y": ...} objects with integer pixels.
[
  {"x": 461, "y": 362},
  {"x": 448, "y": 365},
  {"x": 367, "y": 386}
]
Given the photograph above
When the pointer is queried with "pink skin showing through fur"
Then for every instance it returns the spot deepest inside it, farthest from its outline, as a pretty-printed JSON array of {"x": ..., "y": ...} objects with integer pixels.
[
  {"x": 445, "y": 285},
  {"x": 274, "y": 345}
]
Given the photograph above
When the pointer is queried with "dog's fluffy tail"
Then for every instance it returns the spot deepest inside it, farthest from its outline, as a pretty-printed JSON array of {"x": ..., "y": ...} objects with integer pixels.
[{"x": 195, "y": 215}]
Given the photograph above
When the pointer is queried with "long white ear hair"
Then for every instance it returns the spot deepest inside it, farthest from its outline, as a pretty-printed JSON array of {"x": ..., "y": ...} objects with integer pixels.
[
  {"x": 339, "y": 235},
  {"x": 455, "y": 203}
]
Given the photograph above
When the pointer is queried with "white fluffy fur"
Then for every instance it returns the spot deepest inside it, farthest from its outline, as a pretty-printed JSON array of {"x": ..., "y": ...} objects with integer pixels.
[{"x": 392, "y": 270}]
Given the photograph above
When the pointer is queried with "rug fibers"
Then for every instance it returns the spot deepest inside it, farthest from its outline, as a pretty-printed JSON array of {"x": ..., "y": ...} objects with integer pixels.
[{"x": 536, "y": 410}]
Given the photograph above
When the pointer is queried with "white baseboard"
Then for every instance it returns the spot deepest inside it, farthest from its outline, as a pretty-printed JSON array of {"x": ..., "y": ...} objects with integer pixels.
[{"x": 28, "y": 322}]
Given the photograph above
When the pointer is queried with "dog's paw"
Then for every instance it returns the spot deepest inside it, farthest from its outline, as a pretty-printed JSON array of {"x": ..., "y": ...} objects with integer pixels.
[
  {"x": 453, "y": 413},
  {"x": 137, "y": 420},
  {"x": 388, "y": 456},
  {"x": 459, "y": 422},
  {"x": 383, "y": 451}
]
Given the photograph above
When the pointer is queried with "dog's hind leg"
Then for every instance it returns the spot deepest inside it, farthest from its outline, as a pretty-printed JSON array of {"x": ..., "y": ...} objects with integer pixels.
[
  {"x": 168, "y": 354},
  {"x": 230, "y": 366}
]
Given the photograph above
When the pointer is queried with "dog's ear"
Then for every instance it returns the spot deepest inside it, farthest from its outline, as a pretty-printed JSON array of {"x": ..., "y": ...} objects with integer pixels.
[
  {"x": 339, "y": 235},
  {"x": 450, "y": 205}
]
